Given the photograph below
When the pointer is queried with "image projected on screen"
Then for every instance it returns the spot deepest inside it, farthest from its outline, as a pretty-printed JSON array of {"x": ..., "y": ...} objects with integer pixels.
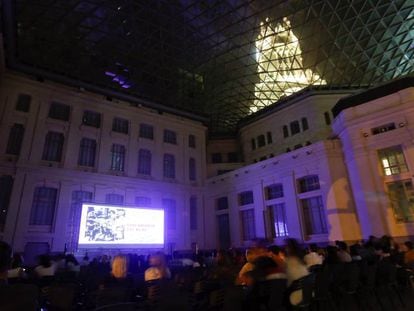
[{"x": 120, "y": 227}]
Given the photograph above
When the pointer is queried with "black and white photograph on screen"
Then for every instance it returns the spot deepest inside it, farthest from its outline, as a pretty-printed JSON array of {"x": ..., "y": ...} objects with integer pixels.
[{"x": 104, "y": 224}]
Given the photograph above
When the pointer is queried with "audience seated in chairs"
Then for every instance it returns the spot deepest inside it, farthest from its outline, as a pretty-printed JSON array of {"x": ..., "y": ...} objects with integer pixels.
[{"x": 276, "y": 279}]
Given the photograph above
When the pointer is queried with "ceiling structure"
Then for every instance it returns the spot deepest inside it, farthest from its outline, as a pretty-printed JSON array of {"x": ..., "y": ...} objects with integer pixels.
[{"x": 222, "y": 58}]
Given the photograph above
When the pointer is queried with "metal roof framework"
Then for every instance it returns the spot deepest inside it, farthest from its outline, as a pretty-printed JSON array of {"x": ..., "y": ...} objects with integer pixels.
[{"x": 205, "y": 57}]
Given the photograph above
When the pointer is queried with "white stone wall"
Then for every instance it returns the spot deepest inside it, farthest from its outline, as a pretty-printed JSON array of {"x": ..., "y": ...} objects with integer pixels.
[
  {"x": 323, "y": 159},
  {"x": 360, "y": 148},
  {"x": 311, "y": 106},
  {"x": 29, "y": 170}
]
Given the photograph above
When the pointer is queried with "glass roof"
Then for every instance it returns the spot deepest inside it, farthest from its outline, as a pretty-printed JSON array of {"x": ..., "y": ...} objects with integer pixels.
[{"x": 223, "y": 58}]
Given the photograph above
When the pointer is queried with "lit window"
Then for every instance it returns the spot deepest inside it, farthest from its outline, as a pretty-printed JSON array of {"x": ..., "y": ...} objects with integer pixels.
[
  {"x": 278, "y": 218},
  {"x": 392, "y": 160}
]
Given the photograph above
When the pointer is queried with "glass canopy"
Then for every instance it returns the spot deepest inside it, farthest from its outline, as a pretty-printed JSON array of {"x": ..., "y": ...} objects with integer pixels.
[{"x": 223, "y": 58}]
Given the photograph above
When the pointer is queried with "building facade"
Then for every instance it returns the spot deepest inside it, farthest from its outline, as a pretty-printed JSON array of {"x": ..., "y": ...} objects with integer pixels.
[
  {"x": 61, "y": 146},
  {"x": 317, "y": 167}
]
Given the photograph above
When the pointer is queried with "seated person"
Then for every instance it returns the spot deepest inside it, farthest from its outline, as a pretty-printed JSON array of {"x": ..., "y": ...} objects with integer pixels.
[
  {"x": 119, "y": 274},
  {"x": 251, "y": 255},
  {"x": 276, "y": 253},
  {"x": 46, "y": 267},
  {"x": 313, "y": 258},
  {"x": 17, "y": 271},
  {"x": 409, "y": 254},
  {"x": 158, "y": 268}
]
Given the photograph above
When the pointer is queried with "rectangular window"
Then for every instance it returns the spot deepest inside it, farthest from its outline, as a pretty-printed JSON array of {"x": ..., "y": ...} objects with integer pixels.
[
  {"x": 308, "y": 183},
  {"x": 294, "y": 127},
  {"x": 305, "y": 125},
  {"x": 245, "y": 198},
  {"x": 192, "y": 169},
  {"x": 401, "y": 195},
  {"x": 87, "y": 152},
  {"x": 146, "y": 131},
  {"x": 118, "y": 157},
  {"x": 191, "y": 141},
  {"x": 269, "y": 137},
  {"x": 59, "y": 111},
  {"x": 43, "y": 206},
  {"x": 193, "y": 213},
  {"x": 23, "y": 102},
  {"x": 53, "y": 147},
  {"x": 15, "y": 140},
  {"x": 261, "y": 141},
  {"x": 278, "y": 219},
  {"x": 170, "y": 137},
  {"x": 285, "y": 131},
  {"x": 113, "y": 198},
  {"x": 91, "y": 118},
  {"x": 170, "y": 210},
  {"x": 120, "y": 125},
  {"x": 383, "y": 128},
  {"x": 216, "y": 158},
  {"x": 248, "y": 225},
  {"x": 232, "y": 157},
  {"x": 6, "y": 187},
  {"x": 222, "y": 203},
  {"x": 143, "y": 201},
  {"x": 327, "y": 117},
  {"x": 392, "y": 160},
  {"x": 169, "y": 166},
  {"x": 313, "y": 216},
  {"x": 78, "y": 197},
  {"x": 223, "y": 224},
  {"x": 253, "y": 144},
  {"x": 274, "y": 191},
  {"x": 144, "y": 161}
]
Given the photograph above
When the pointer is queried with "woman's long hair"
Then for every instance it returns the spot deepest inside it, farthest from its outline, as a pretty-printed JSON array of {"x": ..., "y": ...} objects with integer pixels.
[{"x": 119, "y": 267}]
